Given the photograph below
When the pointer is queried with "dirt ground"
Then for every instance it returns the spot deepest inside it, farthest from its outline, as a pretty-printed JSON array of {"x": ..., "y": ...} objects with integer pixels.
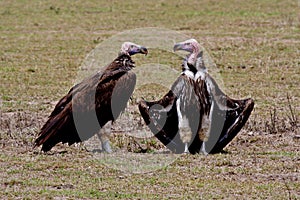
[{"x": 256, "y": 164}]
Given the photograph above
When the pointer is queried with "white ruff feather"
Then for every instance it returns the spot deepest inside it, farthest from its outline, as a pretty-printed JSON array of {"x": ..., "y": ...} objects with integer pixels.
[
  {"x": 200, "y": 74},
  {"x": 188, "y": 73}
]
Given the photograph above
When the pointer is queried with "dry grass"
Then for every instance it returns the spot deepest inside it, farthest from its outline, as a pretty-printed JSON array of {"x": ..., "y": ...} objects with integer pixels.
[{"x": 255, "y": 45}]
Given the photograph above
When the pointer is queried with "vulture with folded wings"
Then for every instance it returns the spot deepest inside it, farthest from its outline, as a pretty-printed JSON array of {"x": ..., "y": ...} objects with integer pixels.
[{"x": 92, "y": 104}]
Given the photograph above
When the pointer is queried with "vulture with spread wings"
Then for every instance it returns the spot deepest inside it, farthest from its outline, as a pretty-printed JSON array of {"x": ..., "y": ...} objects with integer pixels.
[
  {"x": 195, "y": 115},
  {"x": 92, "y": 104}
]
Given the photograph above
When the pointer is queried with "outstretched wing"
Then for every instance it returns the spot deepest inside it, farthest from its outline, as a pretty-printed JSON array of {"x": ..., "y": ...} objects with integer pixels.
[
  {"x": 234, "y": 121},
  {"x": 161, "y": 117}
]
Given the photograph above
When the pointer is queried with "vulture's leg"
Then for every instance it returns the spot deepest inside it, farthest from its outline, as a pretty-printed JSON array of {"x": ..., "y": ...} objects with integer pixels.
[
  {"x": 206, "y": 129},
  {"x": 104, "y": 135},
  {"x": 203, "y": 150},
  {"x": 204, "y": 133},
  {"x": 184, "y": 128}
]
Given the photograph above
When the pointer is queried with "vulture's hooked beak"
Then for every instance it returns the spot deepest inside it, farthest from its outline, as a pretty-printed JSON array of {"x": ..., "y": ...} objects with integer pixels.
[
  {"x": 143, "y": 50},
  {"x": 177, "y": 47},
  {"x": 188, "y": 45}
]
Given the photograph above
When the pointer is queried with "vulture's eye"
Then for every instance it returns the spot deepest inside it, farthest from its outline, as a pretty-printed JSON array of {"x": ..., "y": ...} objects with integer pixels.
[
  {"x": 188, "y": 44},
  {"x": 131, "y": 47}
]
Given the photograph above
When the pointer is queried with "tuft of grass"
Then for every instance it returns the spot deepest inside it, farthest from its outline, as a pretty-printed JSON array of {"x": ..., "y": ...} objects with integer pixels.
[{"x": 277, "y": 124}]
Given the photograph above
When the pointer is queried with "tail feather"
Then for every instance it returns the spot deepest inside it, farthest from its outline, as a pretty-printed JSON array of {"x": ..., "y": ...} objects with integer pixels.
[{"x": 58, "y": 128}]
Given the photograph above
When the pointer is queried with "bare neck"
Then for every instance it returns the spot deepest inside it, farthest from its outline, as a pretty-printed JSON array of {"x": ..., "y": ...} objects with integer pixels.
[{"x": 192, "y": 58}]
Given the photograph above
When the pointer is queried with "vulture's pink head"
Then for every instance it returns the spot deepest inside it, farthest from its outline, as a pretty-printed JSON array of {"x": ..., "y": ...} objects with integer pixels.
[
  {"x": 191, "y": 46},
  {"x": 129, "y": 48}
]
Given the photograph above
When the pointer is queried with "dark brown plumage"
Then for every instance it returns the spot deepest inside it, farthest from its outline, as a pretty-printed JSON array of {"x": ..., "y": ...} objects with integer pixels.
[{"x": 89, "y": 105}]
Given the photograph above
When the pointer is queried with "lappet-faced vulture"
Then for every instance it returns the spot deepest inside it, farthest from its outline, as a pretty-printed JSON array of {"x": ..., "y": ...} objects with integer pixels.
[
  {"x": 195, "y": 115},
  {"x": 93, "y": 104}
]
